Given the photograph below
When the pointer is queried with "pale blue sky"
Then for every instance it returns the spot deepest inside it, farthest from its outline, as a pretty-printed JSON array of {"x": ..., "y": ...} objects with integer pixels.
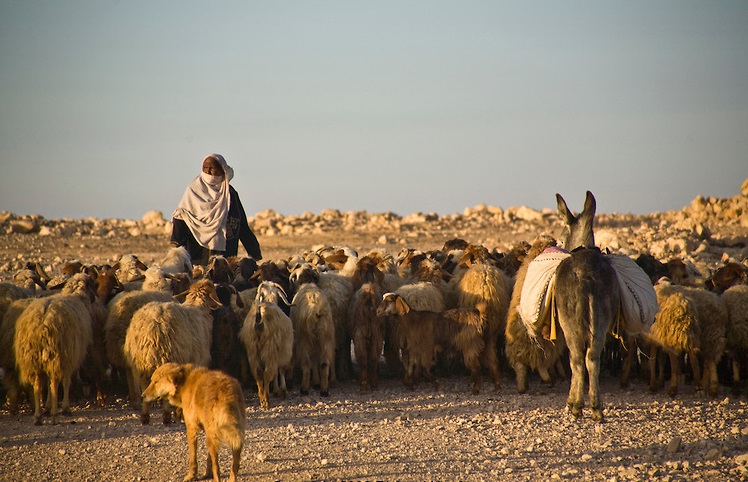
[{"x": 107, "y": 108}]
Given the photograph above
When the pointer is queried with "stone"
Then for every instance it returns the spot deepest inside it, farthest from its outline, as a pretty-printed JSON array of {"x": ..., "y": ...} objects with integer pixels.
[{"x": 674, "y": 444}]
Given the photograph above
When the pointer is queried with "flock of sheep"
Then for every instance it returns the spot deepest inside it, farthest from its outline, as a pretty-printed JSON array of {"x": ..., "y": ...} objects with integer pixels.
[{"x": 294, "y": 321}]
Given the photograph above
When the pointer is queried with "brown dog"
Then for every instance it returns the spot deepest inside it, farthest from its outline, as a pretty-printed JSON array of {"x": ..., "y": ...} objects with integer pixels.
[{"x": 210, "y": 400}]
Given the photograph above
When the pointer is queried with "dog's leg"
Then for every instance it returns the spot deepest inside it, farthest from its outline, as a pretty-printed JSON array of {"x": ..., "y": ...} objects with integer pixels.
[
  {"x": 192, "y": 456},
  {"x": 212, "y": 443},
  {"x": 237, "y": 452}
]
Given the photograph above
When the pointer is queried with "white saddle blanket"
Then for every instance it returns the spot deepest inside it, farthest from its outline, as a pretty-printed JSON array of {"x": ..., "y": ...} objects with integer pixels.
[{"x": 638, "y": 299}]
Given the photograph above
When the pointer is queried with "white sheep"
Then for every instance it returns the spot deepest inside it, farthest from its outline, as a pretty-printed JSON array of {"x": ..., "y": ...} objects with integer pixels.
[
  {"x": 130, "y": 268},
  {"x": 268, "y": 336},
  {"x": 486, "y": 283},
  {"x": 177, "y": 260},
  {"x": 52, "y": 338},
  {"x": 523, "y": 351},
  {"x": 314, "y": 339},
  {"x": 163, "y": 332},
  {"x": 10, "y": 315},
  {"x": 119, "y": 315},
  {"x": 696, "y": 322},
  {"x": 338, "y": 290}
]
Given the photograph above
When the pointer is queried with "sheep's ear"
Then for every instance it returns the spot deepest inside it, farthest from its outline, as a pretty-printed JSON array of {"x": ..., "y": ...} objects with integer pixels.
[
  {"x": 282, "y": 294},
  {"x": 40, "y": 271},
  {"x": 215, "y": 299},
  {"x": 183, "y": 293},
  {"x": 239, "y": 301},
  {"x": 378, "y": 275},
  {"x": 140, "y": 265},
  {"x": 401, "y": 305}
]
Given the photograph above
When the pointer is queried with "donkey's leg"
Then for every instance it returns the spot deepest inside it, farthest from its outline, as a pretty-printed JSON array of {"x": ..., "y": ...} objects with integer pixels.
[
  {"x": 593, "y": 370},
  {"x": 575, "y": 402}
]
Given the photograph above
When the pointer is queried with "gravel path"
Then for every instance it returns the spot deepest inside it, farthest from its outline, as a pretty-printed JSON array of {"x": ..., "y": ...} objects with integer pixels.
[{"x": 396, "y": 434}]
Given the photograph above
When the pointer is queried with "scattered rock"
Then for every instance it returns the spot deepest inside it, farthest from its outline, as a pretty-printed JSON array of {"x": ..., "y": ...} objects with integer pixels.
[{"x": 674, "y": 445}]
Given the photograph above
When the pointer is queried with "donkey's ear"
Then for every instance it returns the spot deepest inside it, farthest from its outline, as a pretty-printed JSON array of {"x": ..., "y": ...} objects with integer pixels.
[
  {"x": 589, "y": 205},
  {"x": 563, "y": 210}
]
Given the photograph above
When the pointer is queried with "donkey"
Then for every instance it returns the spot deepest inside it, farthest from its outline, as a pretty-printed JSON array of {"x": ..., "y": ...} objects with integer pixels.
[{"x": 587, "y": 300}]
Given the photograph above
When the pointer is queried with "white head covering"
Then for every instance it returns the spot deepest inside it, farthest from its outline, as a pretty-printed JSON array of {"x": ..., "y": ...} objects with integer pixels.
[{"x": 205, "y": 206}]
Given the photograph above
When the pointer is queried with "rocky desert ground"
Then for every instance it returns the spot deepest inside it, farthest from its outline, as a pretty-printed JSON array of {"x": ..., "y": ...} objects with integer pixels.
[{"x": 395, "y": 433}]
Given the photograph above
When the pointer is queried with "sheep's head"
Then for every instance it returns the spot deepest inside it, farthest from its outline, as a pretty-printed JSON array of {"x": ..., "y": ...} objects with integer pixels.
[
  {"x": 219, "y": 270},
  {"x": 107, "y": 284},
  {"x": 728, "y": 275},
  {"x": 454, "y": 244},
  {"x": 245, "y": 268},
  {"x": 72, "y": 267},
  {"x": 473, "y": 254},
  {"x": 393, "y": 305},
  {"x": 130, "y": 268},
  {"x": 367, "y": 271},
  {"x": 202, "y": 293},
  {"x": 270, "y": 292},
  {"x": 82, "y": 285},
  {"x": 305, "y": 273}
]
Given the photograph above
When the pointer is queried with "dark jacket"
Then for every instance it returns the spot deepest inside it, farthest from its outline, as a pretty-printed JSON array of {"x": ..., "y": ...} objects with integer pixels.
[{"x": 237, "y": 229}]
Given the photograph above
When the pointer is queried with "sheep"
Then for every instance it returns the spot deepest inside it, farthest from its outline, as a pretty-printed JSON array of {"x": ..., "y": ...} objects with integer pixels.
[
  {"x": 314, "y": 341},
  {"x": 367, "y": 331},
  {"x": 693, "y": 321},
  {"x": 119, "y": 315},
  {"x": 522, "y": 350},
  {"x": 338, "y": 291},
  {"x": 268, "y": 336},
  {"x": 219, "y": 270},
  {"x": 30, "y": 277},
  {"x": 10, "y": 302},
  {"x": 427, "y": 332},
  {"x": 730, "y": 274},
  {"x": 486, "y": 283},
  {"x": 243, "y": 272},
  {"x": 7, "y": 351},
  {"x": 10, "y": 292},
  {"x": 52, "y": 338},
  {"x": 163, "y": 332},
  {"x": 270, "y": 271},
  {"x": 677, "y": 330},
  {"x": 735, "y": 299},
  {"x": 226, "y": 352},
  {"x": 176, "y": 260},
  {"x": 421, "y": 296},
  {"x": 107, "y": 285},
  {"x": 130, "y": 268}
]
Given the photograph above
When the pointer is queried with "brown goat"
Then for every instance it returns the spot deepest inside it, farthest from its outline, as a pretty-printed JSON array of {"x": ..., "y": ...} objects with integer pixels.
[
  {"x": 366, "y": 329},
  {"x": 427, "y": 333}
]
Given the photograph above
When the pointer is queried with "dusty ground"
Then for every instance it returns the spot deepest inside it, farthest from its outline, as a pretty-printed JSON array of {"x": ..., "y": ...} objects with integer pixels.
[{"x": 392, "y": 433}]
